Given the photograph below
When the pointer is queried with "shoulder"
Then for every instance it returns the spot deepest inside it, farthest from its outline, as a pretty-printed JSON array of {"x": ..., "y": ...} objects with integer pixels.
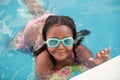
[
  {"x": 43, "y": 58},
  {"x": 83, "y": 55},
  {"x": 43, "y": 63},
  {"x": 42, "y": 55},
  {"x": 83, "y": 51},
  {"x": 81, "y": 48}
]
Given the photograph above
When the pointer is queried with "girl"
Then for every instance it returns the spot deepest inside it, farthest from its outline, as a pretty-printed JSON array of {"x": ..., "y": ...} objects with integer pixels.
[{"x": 61, "y": 48}]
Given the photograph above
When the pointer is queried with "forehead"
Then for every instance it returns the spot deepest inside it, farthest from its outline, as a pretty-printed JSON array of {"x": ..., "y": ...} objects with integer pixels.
[{"x": 59, "y": 31}]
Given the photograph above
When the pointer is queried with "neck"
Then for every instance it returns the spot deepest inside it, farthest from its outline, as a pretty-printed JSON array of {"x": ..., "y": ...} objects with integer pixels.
[{"x": 61, "y": 64}]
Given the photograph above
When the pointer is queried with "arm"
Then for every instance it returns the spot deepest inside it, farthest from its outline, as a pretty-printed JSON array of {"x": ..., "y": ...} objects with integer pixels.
[
  {"x": 83, "y": 55},
  {"x": 101, "y": 56},
  {"x": 43, "y": 66},
  {"x": 86, "y": 57},
  {"x": 84, "y": 52}
]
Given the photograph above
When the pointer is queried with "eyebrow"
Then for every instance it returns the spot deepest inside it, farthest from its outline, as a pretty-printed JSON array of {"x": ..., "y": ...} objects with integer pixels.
[{"x": 62, "y": 38}]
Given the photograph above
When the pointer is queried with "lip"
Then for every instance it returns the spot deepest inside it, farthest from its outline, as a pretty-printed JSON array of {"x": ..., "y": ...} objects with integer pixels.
[{"x": 60, "y": 51}]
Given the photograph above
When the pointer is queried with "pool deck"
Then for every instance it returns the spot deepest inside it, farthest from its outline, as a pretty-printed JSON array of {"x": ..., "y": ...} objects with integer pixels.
[{"x": 109, "y": 70}]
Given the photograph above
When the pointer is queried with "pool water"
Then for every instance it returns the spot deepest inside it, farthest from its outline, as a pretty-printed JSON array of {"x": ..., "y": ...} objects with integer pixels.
[{"x": 100, "y": 17}]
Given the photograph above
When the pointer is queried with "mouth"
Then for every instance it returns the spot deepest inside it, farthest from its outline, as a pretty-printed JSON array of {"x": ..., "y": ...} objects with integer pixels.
[{"x": 60, "y": 53}]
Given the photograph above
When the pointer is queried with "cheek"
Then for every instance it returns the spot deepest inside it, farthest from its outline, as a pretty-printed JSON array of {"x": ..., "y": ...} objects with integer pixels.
[
  {"x": 51, "y": 50},
  {"x": 69, "y": 49}
]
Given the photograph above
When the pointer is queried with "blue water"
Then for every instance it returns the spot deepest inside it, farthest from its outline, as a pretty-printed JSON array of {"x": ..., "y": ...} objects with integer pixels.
[{"x": 101, "y": 17}]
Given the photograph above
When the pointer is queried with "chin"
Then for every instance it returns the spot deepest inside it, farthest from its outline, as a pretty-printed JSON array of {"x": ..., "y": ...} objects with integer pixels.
[{"x": 61, "y": 58}]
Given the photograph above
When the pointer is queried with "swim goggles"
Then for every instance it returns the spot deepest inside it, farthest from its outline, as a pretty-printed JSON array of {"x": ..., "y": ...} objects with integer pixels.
[{"x": 54, "y": 42}]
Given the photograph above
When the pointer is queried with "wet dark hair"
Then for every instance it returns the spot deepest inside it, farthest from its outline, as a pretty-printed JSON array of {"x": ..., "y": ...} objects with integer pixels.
[{"x": 59, "y": 20}]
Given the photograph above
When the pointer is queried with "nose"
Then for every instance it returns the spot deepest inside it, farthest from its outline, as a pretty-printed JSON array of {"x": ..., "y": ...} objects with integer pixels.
[{"x": 60, "y": 46}]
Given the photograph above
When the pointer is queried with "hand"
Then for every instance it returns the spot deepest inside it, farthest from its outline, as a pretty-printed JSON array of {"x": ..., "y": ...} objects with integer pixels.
[{"x": 101, "y": 56}]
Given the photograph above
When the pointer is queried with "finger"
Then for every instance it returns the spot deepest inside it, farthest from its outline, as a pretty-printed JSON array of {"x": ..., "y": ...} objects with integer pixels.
[
  {"x": 98, "y": 56},
  {"x": 108, "y": 50},
  {"x": 95, "y": 61},
  {"x": 107, "y": 53},
  {"x": 104, "y": 56},
  {"x": 103, "y": 52},
  {"x": 92, "y": 60}
]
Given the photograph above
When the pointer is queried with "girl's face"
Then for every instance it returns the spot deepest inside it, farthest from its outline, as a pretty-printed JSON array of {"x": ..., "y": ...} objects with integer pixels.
[{"x": 61, "y": 52}]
